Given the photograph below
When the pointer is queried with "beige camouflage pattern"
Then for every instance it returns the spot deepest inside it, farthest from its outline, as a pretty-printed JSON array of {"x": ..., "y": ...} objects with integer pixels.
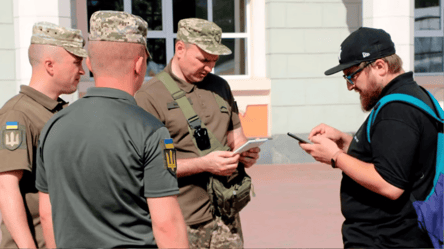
[
  {"x": 118, "y": 26},
  {"x": 46, "y": 33},
  {"x": 216, "y": 234},
  {"x": 206, "y": 35}
]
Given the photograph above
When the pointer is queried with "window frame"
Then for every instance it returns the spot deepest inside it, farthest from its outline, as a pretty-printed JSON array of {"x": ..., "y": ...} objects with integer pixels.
[
  {"x": 430, "y": 33},
  {"x": 168, "y": 34}
]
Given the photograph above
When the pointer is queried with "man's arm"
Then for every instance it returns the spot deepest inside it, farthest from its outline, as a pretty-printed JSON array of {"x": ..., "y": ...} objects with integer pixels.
[
  {"x": 169, "y": 227},
  {"x": 365, "y": 174},
  {"x": 235, "y": 139},
  {"x": 13, "y": 210},
  {"x": 46, "y": 219}
]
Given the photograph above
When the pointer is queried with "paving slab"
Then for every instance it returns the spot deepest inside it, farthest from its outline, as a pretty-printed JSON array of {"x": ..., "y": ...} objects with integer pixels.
[{"x": 296, "y": 206}]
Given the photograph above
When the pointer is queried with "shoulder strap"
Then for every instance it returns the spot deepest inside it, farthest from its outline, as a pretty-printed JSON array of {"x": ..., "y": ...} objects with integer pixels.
[
  {"x": 220, "y": 102},
  {"x": 193, "y": 120},
  {"x": 409, "y": 100},
  {"x": 438, "y": 116}
]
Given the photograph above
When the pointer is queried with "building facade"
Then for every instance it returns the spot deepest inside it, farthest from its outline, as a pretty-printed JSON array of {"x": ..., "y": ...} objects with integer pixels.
[{"x": 281, "y": 49}]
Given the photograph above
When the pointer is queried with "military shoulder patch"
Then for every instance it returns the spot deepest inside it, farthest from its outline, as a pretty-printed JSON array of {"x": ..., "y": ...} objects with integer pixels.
[
  {"x": 169, "y": 156},
  {"x": 13, "y": 136}
]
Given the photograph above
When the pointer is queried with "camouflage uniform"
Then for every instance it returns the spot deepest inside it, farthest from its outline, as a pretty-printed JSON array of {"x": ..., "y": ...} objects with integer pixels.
[
  {"x": 204, "y": 230},
  {"x": 22, "y": 118}
]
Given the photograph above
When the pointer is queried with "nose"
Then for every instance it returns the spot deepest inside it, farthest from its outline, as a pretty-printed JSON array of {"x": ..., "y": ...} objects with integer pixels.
[
  {"x": 350, "y": 86},
  {"x": 209, "y": 66},
  {"x": 81, "y": 71}
]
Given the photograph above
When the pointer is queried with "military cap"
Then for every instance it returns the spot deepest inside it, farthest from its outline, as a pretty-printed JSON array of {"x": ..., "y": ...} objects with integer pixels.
[
  {"x": 118, "y": 26},
  {"x": 206, "y": 35},
  {"x": 46, "y": 33}
]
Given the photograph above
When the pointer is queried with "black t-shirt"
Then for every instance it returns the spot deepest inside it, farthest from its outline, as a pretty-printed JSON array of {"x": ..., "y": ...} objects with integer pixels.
[{"x": 403, "y": 150}]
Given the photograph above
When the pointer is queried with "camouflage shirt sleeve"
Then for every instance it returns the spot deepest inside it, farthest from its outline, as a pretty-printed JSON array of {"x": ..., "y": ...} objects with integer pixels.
[{"x": 15, "y": 148}]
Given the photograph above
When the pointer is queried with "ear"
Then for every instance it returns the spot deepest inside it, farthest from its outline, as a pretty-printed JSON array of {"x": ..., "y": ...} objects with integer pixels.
[
  {"x": 180, "y": 48},
  {"x": 139, "y": 65},
  {"x": 381, "y": 66},
  {"x": 88, "y": 64},
  {"x": 49, "y": 65}
]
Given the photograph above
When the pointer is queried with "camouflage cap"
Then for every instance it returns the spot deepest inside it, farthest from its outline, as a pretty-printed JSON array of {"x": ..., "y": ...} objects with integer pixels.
[
  {"x": 206, "y": 35},
  {"x": 118, "y": 26},
  {"x": 46, "y": 33}
]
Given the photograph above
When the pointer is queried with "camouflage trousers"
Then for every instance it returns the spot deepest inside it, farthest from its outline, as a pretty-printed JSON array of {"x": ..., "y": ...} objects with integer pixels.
[{"x": 216, "y": 233}]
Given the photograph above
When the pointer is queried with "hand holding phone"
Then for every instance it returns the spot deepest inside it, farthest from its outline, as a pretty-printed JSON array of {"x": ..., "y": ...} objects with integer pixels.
[{"x": 299, "y": 138}]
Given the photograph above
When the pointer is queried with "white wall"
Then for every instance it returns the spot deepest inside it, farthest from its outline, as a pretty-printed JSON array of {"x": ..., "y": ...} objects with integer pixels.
[
  {"x": 16, "y": 20},
  {"x": 397, "y": 18},
  {"x": 303, "y": 39},
  {"x": 7, "y": 52}
]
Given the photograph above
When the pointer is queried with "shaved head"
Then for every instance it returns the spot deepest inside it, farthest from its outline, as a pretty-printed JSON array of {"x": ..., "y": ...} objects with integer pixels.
[
  {"x": 38, "y": 53},
  {"x": 114, "y": 59}
]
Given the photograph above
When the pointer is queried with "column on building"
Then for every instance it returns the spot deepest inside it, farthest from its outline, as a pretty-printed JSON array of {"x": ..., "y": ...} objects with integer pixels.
[
  {"x": 397, "y": 18},
  {"x": 25, "y": 14}
]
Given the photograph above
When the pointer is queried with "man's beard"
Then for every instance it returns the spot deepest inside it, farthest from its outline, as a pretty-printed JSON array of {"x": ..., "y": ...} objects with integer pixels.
[{"x": 370, "y": 97}]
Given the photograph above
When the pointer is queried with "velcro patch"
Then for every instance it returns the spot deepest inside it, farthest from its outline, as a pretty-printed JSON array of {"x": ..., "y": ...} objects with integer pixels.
[
  {"x": 169, "y": 156},
  {"x": 13, "y": 136}
]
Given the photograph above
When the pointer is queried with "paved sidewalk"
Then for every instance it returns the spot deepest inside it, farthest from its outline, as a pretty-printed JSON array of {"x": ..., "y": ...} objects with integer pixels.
[{"x": 296, "y": 206}]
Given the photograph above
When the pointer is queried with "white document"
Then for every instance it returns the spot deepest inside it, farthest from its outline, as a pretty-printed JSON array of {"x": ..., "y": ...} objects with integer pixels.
[{"x": 251, "y": 144}]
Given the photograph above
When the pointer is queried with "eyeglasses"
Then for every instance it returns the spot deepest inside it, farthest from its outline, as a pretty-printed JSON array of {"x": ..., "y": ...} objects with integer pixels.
[{"x": 349, "y": 77}]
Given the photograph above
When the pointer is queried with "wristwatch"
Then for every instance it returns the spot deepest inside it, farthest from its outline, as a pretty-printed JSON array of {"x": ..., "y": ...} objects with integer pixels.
[{"x": 334, "y": 158}]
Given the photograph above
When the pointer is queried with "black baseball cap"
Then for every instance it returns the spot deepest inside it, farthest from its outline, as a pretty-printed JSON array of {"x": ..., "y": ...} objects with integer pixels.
[{"x": 364, "y": 44}]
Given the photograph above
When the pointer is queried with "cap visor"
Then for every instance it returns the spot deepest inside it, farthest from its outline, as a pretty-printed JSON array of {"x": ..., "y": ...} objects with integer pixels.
[
  {"x": 216, "y": 50},
  {"x": 341, "y": 67},
  {"x": 77, "y": 51}
]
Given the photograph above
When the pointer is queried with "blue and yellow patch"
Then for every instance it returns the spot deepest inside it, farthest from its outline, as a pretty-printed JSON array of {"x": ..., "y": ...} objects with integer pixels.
[
  {"x": 168, "y": 143},
  {"x": 12, "y": 136},
  {"x": 12, "y": 125},
  {"x": 169, "y": 155}
]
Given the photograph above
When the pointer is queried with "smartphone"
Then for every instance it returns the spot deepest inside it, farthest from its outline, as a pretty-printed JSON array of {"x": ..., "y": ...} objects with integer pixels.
[{"x": 299, "y": 138}]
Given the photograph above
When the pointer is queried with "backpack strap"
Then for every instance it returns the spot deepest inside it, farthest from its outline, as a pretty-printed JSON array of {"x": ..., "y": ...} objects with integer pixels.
[
  {"x": 193, "y": 120},
  {"x": 415, "y": 102},
  {"x": 409, "y": 100}
]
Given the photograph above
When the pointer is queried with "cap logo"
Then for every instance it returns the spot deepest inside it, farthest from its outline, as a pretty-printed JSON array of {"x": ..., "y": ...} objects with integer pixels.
[
  {"x": 365, "y": 54},
  {"x": 339, "y": 56}
]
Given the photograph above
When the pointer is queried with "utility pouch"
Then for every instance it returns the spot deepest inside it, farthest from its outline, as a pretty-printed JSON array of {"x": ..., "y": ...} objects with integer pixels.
[{"x": 228, "y": 195}]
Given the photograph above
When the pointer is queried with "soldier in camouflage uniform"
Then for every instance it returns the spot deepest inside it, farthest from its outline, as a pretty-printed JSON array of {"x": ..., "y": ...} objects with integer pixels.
[
  {"x": 56, "y": 55},
  {"x": 198, "y": 47},
  {"x": 114, "y": 183}
]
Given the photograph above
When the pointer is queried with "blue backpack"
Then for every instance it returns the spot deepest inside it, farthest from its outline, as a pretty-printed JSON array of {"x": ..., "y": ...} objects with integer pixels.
[{"x": 430, "y": 211}]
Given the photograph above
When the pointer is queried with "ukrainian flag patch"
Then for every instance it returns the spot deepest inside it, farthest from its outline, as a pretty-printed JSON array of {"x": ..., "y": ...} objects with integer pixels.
[
  {"x": 12, "y": 125},
  {"x": 168, "y": 143}
]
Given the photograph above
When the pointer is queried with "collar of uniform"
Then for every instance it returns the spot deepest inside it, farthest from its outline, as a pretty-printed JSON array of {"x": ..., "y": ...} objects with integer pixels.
[
  {"x": 109, "y": 93},
  {"x": 187, "y": 87},
  {"x": 41, "y": 98},
  {"x": 403, "y": 79}
]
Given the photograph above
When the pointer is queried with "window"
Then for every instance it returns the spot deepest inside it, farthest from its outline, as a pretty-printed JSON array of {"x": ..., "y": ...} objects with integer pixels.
[
  {"x": 163, "y": 15},
  {"x": 428, "y": 36}
]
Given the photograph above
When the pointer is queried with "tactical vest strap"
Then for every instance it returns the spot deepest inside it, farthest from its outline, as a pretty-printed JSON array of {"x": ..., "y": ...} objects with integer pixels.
[{"x": 194, "y": 121}]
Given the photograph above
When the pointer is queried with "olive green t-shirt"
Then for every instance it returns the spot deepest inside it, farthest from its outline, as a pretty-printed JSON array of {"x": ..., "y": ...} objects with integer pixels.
[
  {"x": 99, "y": 159},
  {"x": 21, "y": 121},
  {"x": 155, "y": 98}
]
